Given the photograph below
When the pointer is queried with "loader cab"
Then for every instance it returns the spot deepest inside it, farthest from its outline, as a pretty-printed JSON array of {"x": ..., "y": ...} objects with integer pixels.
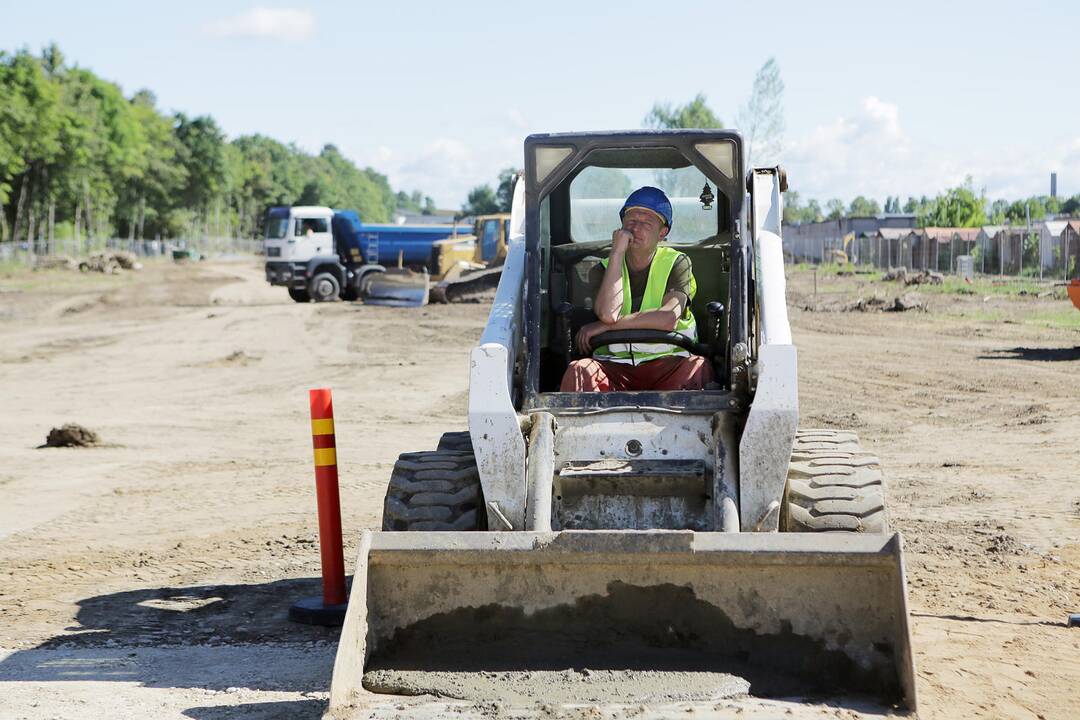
[
  {"x": 576, "y": 186},
  {"x": 492, "y": 233}
]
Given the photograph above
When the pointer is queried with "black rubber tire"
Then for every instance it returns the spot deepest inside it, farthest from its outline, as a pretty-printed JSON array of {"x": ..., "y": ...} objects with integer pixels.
[
  {"x": 434, "y": 490},
  {"x": 456, "y": 442},
  {"x": 324, "y": 287},
  {"x": 833, "y": 486},
  {"x": 298, "y": 295}
]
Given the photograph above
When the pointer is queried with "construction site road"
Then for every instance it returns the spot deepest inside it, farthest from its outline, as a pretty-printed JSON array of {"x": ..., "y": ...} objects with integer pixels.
[{"x": 151, "y": 575}]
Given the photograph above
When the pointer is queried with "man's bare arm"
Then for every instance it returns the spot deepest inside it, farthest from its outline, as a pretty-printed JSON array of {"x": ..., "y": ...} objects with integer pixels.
[
  {"x": 663, "y": 318},
  {"x": 609, "y": 298}
]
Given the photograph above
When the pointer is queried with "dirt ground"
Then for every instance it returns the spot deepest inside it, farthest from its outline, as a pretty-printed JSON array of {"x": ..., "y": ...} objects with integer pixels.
[{"x": 151, "y": 576}]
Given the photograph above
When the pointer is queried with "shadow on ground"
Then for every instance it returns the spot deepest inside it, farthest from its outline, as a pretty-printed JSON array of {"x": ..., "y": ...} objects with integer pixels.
[
  {"x": 1036, "y": 354},
  {"x": 284, "y": 710},
  {"x": 213, "y": 637}
]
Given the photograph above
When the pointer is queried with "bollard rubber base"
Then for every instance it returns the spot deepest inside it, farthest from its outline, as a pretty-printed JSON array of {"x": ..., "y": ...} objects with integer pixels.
[{"x": 312, "y": 611}]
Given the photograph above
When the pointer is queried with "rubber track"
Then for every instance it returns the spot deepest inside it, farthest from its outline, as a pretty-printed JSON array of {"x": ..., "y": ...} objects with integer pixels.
[
  {"x": 833, "y": 485},
  {"x": 434, "y": 490}
]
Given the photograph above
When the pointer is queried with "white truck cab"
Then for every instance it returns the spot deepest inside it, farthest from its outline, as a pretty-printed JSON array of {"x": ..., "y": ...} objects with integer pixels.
[{"x": 297, "y": 234}]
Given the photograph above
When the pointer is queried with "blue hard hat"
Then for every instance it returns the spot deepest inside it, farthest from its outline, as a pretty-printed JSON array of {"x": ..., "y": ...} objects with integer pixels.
[{"x": 651, "y": 199}]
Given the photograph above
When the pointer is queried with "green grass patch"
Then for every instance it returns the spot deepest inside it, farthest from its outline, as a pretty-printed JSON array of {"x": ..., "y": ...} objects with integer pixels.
[
  {"x": 987, "y": 286},
  {"x": 1066, "y": 318}
]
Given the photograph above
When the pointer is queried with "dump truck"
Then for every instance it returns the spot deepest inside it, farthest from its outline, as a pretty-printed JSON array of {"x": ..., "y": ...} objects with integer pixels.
[
  {"x": 691, "y": 530},
  {"x": 323, "y": 254}
]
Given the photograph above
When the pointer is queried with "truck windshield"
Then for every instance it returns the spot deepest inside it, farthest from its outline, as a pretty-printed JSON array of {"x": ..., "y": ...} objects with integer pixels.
[
  {"x": 276, "y": 228},
  {"x": 598, "y": 193}
]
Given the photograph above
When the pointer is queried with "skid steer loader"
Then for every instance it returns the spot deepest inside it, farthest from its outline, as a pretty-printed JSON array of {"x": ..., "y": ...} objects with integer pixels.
[{"x": 693, "y": 530}]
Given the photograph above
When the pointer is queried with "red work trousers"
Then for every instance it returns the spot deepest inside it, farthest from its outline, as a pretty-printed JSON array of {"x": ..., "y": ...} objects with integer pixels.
[{"x": 666, "y": 373}]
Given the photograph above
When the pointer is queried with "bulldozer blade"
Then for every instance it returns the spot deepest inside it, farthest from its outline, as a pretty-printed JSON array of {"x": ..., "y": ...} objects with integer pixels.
[
  {"x": 397, "y": 288},
  {"x": 795, "y": 615},
  {"x": 468, "y": 287}
]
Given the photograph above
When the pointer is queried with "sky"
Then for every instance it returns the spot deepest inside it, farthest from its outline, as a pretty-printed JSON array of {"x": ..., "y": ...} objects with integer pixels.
[{"x": 901, "y": 98}]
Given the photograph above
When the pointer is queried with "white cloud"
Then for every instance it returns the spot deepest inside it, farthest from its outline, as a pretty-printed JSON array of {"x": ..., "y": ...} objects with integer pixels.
[
  {"x": 282, "y": 23},
  {"x": 446, "y": 168},
  {"x": 869, "y": 153}
]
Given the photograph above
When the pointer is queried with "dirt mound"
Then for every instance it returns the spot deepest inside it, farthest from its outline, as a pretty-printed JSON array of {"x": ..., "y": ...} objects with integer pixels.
[
  {"x": 111, "y": 263},
  {"x": 71, "y": 435},
  {"x": 874, "y": 303}
]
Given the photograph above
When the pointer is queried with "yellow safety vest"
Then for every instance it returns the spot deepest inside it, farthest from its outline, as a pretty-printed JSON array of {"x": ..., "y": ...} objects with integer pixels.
[{"x": 655, "y": 288}]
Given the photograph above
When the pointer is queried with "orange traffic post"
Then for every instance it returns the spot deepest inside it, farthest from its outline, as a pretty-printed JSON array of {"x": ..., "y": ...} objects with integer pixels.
[
  {"x": 1073, "y": 288},
  {"x": 330, "y": 608}
]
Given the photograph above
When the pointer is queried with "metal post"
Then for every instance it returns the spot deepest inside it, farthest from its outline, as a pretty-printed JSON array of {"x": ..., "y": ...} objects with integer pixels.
[
  {"x": 330, "y": 608},
  {"x": 1027, "y": 215}
]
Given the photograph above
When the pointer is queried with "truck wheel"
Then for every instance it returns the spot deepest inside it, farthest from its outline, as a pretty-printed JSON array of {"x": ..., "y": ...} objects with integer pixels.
[
  {"x": 833, "y": 485},
  {"x": 456, "y": 442},
  {"x": 298, "y": 295},
  {"x": 324, "y": 287},
  {"x": 437, "y": 490}
]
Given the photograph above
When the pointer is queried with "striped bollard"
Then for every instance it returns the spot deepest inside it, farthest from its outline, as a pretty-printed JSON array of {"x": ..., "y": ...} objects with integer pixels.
[{"x": 330, "y": 608}]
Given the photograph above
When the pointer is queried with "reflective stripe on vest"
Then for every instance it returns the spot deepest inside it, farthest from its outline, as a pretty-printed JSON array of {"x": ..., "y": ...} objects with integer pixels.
[{"x": 655, "y": 288}]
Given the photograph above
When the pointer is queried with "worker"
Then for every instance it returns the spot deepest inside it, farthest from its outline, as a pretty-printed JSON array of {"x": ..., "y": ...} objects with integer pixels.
[{"x": 642, "y": 285}]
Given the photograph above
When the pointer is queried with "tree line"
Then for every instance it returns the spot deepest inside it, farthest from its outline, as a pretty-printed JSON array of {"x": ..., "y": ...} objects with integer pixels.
[
  {"x": 79, "y": 159},
  {"x": 956, "y": 207}
]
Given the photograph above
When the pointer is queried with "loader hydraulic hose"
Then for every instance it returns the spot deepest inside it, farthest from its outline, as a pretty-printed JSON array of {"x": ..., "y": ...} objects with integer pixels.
[{"x": 540, "y": 471}]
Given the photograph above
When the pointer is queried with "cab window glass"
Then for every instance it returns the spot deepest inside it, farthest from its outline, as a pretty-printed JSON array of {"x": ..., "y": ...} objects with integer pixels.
[
  {"x": 315, "y": 225},
  {"x": 598, "y": 193}
]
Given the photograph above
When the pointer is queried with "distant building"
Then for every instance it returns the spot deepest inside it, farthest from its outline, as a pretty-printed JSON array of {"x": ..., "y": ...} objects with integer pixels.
[
  {"x": 936, "y": 248},
  {"x": 817, "y": 240},
  {"x": 1058, "y": 241}
]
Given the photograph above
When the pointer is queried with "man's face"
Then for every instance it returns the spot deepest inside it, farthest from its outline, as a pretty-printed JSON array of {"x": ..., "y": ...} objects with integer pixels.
[{"x": 646, "y": 228}]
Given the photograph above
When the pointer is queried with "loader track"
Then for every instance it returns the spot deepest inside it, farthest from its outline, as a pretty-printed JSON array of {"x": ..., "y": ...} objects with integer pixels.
[
  {"x": 833, "y": 485},
  {"x": 435, "y": 490}
]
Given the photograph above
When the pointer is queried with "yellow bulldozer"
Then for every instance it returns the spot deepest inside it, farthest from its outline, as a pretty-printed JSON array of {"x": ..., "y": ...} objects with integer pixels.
[{"x": 471, "y": 265}]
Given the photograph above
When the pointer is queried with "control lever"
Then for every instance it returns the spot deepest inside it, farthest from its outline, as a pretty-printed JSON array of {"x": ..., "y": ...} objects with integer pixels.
[
  {"x": 716, "y": 316},
  {"x": 564, "y": 311}
]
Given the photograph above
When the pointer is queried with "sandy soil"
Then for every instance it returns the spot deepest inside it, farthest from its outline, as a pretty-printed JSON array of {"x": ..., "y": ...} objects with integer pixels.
[{"x": 151, "y": 576}]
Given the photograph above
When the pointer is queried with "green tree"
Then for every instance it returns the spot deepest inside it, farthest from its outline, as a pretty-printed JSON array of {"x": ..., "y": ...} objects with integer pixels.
[
  {"x": 76, "y": 154},
  {"x": 762, "y": 118},
  {"x": 504, "y": 194},
  {"x": 862, "y": 207},
  {"x": 694, "y": 114},
  {"x": 481, "y": 201},
  {"x": 835, "y": 209},
  {"x": 999, "y": 212},
  {"x": 202, "y": 154},
  {"x": 958, "y": 207},
  {"x": 30, "y": 119}
]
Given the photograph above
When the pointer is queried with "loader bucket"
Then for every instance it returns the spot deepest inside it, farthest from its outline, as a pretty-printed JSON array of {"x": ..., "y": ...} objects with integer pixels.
[
  {"x": 792, "y": 615},
  {"x": 395, "y": 287}
]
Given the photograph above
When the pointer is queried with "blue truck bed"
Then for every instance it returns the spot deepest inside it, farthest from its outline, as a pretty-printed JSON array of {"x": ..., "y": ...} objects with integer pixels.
[{"x": 413, "y": 242}]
